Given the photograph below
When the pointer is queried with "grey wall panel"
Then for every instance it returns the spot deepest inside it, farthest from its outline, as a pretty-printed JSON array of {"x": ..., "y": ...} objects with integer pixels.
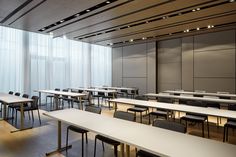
[
  {"x": 215, "y": 41},
  {"x": 136, "y": 82},
  {"x": 117, "y": 66},
  {"x": 134, "y": 61},
  {"x": 151, "y": 67},
  {"x": 218, "y": 63},
  {"x": 215, "y": 84},
  {"x": 187, "y": 63},
  {"x": 169, "y": 64}
]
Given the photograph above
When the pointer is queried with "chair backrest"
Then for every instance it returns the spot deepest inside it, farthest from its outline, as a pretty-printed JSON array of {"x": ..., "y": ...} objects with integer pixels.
[
  {"x": 139, "y": 97},
  {"x": 10, "y": 92},
  {"x": 57, "y": 89},
  {"x": 124, "y": 115},
  {"x": 74, "y": 91},
  {"x": 25, "y": 96},
  {"x": 232, "y": 107},
  {"x": 124, "y": 90},
  {"x": 195, "y": 103},
  {"x": 17, "y": 94},
  {"x": 65, "y": 90},
  {"x": 34, "y": 104},
  {"x": 93, "y": 109},
  {"x": 101, "y": 93},
  {"x": 174, "y": 126},
  {"x": 165, "y": 100},
  {"x": 80, "y": 91},
  {"x": 213, "y": 104}
]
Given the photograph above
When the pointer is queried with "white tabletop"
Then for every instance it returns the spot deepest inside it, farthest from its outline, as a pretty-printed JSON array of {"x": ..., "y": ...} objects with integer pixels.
[
  {"x": 177, "y": 107},
  {"x": 62, "y": 93},
  {"x": 226, "y": 101},
  {"x": 201, "y": 93},
  {"x": 95, "y": 90},
  {"x": 12, "y": 99},
  {"x": 155, "y": 140},
  {"x": 118, "y": 88}
]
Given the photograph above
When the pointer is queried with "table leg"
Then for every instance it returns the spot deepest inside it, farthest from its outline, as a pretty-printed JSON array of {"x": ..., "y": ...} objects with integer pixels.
[
  {"x": 80, "y": 102},
  {"x": 40, "y": 99},
  {"x": 115, "y": 106},
  {"x": 59, "y": 148},
  {"x": 56, "y": 98},
  {"x": 122, "y": 149},
  {"x": 127, "y": 147}
]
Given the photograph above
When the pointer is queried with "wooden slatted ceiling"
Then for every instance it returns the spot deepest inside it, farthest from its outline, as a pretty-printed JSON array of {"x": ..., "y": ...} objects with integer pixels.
[{"x": 91, "y": 27}]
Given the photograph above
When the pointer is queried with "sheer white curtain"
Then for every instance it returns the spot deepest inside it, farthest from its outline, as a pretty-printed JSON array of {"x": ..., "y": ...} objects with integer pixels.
[{"x": 31, "y": 61}]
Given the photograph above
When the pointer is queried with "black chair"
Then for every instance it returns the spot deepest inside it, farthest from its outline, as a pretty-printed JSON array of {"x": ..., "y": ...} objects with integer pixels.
[
  {"x": 84, "y": 99},
  {"x": 32, "y": 107},
  {"x": 161, "y": 112},
  {"x": 108, "y": 97},
  {"x": 92, "y": 109},
  {"x": 118, "y": 114},
  {"x": 196, "y": 118},
  {"x": 214, "y": 105},
  {"x": 65, "y": 98},
  {"x": 139, "y": 109},
  {"x": 50, "y": 97},
  {"x": 165, "y": 124},
  {"x": 133, "y": 92},
  {"x": 98, "y": 95},
  {"x": 12, "y": 106},
  {"x": 231, "y": 123},
  {"x": 123, "y": 93}
]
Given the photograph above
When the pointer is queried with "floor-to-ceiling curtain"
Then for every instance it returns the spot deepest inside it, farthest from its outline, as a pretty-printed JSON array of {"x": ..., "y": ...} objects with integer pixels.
[{"x": 31, "y": 61}]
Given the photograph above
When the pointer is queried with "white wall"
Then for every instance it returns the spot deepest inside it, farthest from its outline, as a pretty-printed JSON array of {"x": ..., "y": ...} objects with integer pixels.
[{"x": 135, "y": 66}]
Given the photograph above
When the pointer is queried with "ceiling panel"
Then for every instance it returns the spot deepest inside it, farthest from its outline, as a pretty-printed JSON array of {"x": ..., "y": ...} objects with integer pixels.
[{"x": 116, "y": 21}]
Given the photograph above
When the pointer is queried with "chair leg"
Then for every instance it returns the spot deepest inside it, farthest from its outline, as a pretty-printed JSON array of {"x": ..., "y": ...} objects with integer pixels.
[
  {"x": 29, "y": 114},
  {"x": 208, "y": 129},
  {"x": 149, "y": 118},
  {"x": 67, "y": 135},
  {"x": 82, "y": 145},
  {"x": 227, "y": 134},
  {"x": 16, "y": 119},
  {"x": 39, "y": 117},
  {"x": 12, "y": 115},
  {"x": 203, "y": 134},
  {"x": 224, "y": 134},
  {"x": 103, "y": 148},
  {"x": 141, "y": 119},
  {"x": 95, "y": 144},
  {"x": 115, "y": 151},
  {"x": 86, "y": 135},
  {"x": 32, "y": 115}
]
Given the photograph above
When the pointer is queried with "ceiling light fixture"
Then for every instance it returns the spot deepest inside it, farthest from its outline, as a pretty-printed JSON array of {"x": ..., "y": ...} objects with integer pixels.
[
  {"x": 231, "y": 1},
  {"x": 198, "y": 9},
  {"x": 107, "y": 2},
  {"x": 62, "y": 21},
  {"x": 87, "y": 10},
  {"x": 198, "y": 28},
  {"x": 144, "y": 38},
  {"x": 131, "y": 40},
  {"x": 64, "y": 37},
  {"x": 187, "y": 30},
  {"x": 193, "y": 10}
]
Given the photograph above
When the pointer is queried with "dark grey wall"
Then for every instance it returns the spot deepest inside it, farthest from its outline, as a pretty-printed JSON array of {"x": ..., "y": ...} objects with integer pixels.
[
  {"x": 135, "y": 66},
  {"x": 201, "y": 62}
]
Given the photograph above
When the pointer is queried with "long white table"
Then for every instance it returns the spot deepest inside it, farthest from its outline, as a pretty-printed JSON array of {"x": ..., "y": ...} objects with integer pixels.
[
  {"x": 205, "y": 99},
  {"x": 57, "y": 94},
  {"x": 152, "y": 139},
  {"x": 8, "y": 99},
  {"x": 177, "y": 107},
  {"x": 221, "y": 95}
]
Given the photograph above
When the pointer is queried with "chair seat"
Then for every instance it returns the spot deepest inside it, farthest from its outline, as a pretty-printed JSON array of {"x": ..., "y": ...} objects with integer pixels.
[
  {"x": 76, "y": 129},
  {"x": 142, "y": 153},
  {"x": 107, "y": 140},
  {"x": 137, "y": 109},
  {"x": 194, "y": 118},
  {"x": 231, "y": 124},
  {"x": 159, "y": 113}
]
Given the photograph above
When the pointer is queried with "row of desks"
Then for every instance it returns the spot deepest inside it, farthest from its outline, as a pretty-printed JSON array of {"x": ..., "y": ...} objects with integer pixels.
[
  {"x": 205, "y": 99},
  {"x": 224, "y": 95},
  {"x": 152, "y": 139}
]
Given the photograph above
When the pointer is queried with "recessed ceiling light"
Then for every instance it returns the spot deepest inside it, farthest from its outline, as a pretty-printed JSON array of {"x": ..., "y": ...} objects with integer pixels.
[
  {"x": 212, "y": 26},
  {"x": 231, "y": 1},
  {"x": 64, "y": 37},
  {"x": 107, "y": 2},
  {"x": 184, "y": 31},
  {"x": 164, "y": 17},
  {"x": 111, "y": 44},
  {"x": 187, "y": 30},
  {"x": 198, "y": 9},
  {"x": 62, "y": 21},
  {"x": 209, "y": 26},
  {"x": 77, "y": 15},
  {"x": 128, "y": 26},
  {"x": 131, "y": 40},
  {"x": 198, "y": 28},
  {"x": 87, "y": 10},
  {"x": 193, "y": 10},
  {"x": 43, "y": 29},
  {"x": 144, "y": 38},
  {"x": 147, "y": 22}
]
